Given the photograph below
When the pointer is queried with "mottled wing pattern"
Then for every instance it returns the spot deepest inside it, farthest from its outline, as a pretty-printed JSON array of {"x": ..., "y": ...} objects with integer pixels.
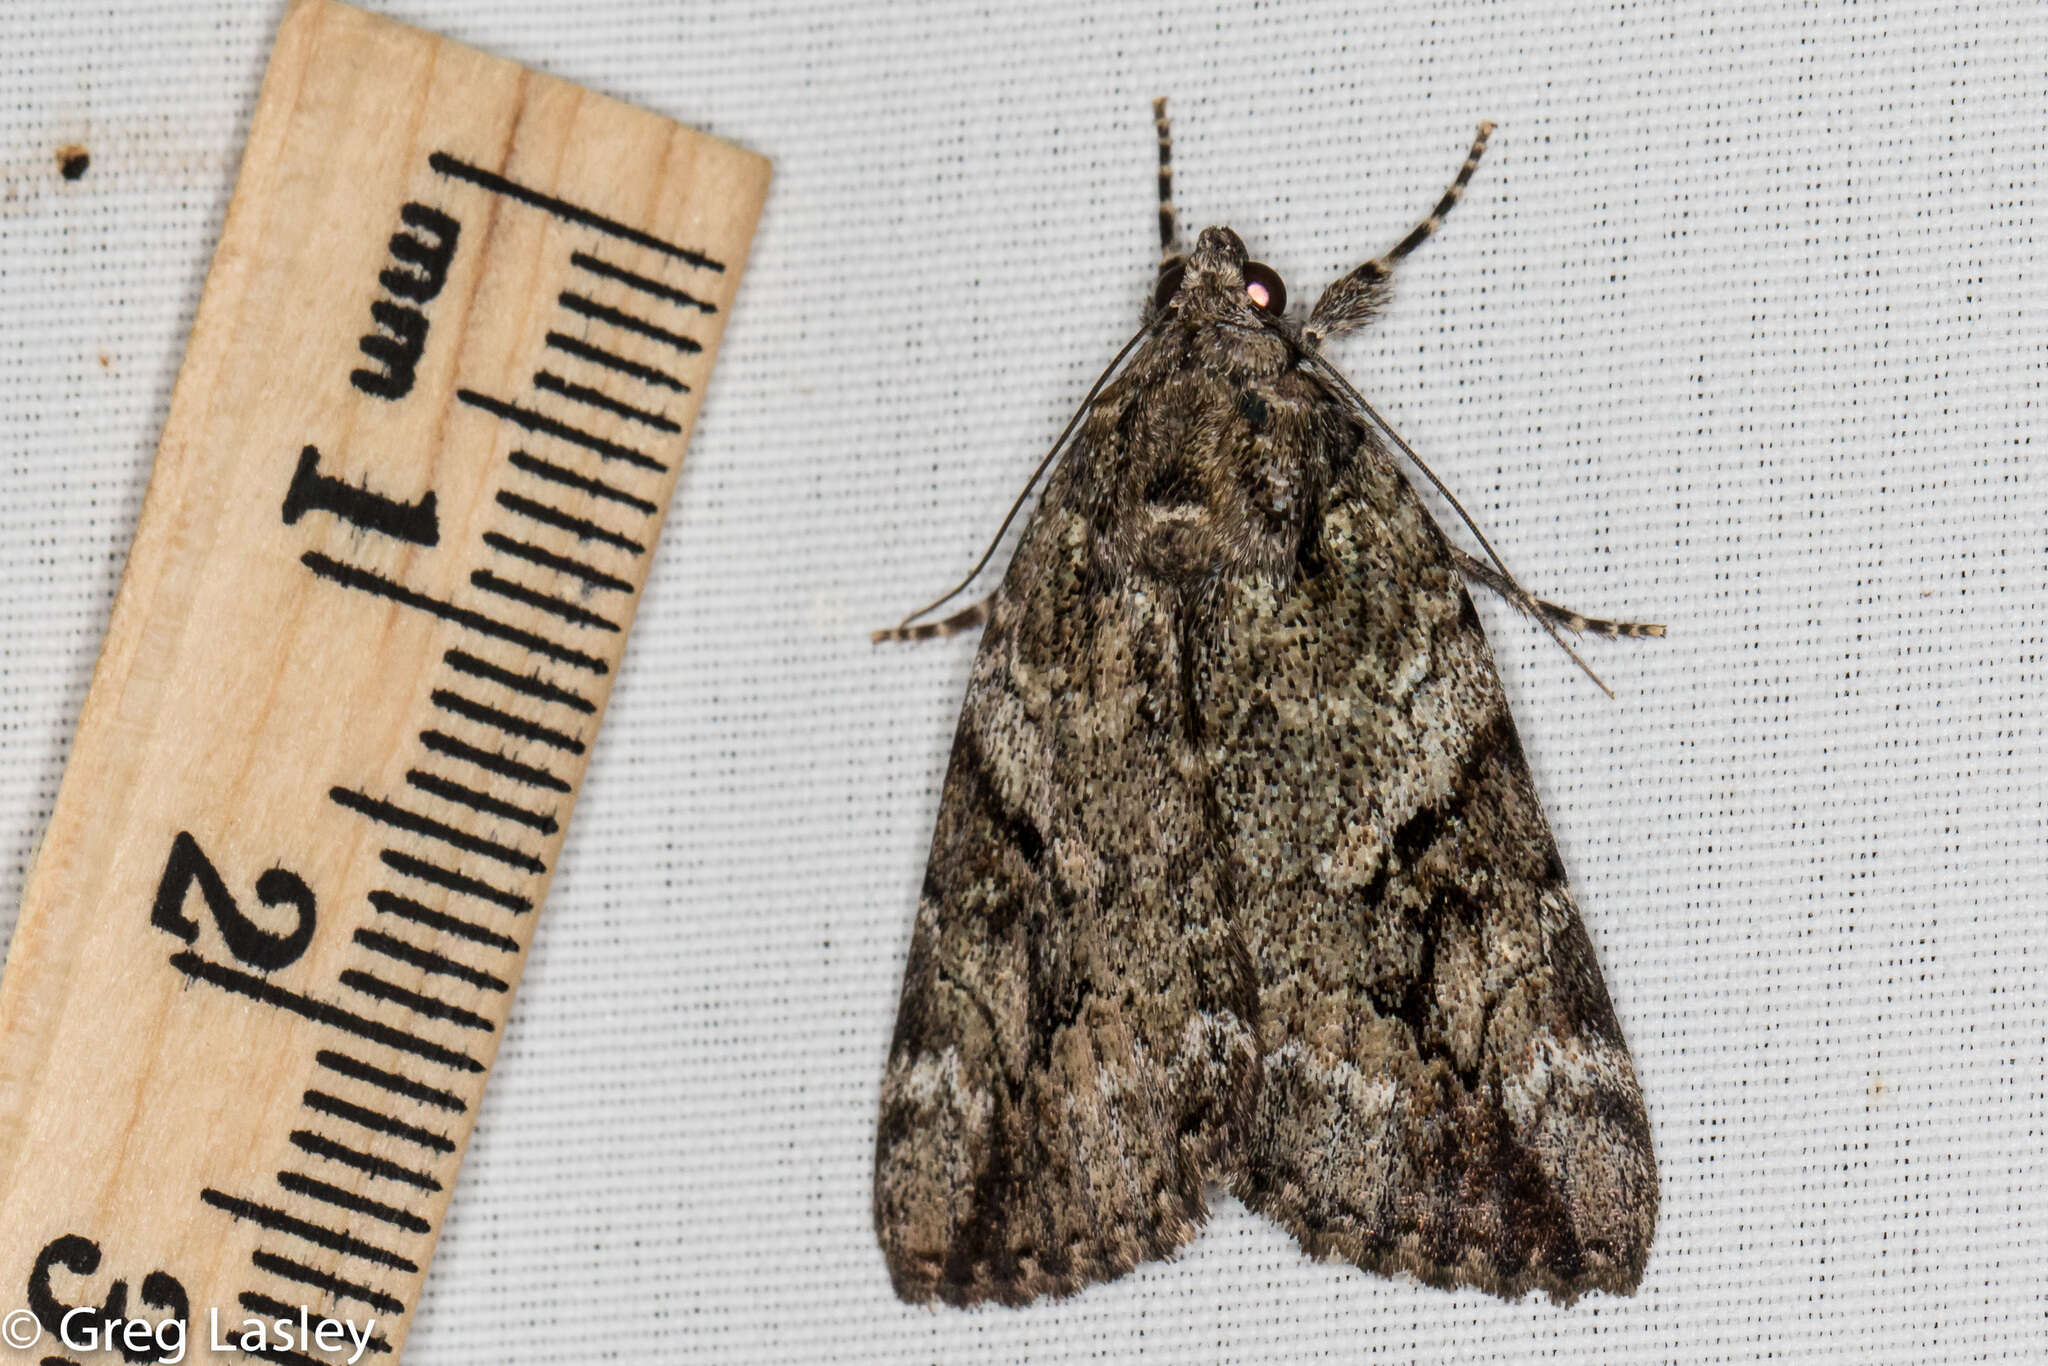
[
  {"x": 1445, "y": 1090},
  {"x": 1240, "y": 877},
  {"x": 1073, "y": 1050}
]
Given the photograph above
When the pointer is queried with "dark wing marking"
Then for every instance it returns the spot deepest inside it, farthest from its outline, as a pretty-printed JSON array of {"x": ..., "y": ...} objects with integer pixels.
[
  {"x": 1445, "y": 1089},
  {"x": 1074, "y": 1048}
]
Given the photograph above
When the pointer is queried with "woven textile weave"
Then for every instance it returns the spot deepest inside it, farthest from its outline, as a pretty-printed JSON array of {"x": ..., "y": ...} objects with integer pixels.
[{"x": 1741, "y": 328}]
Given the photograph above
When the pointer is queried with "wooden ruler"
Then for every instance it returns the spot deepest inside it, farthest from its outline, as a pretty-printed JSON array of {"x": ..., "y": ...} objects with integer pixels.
[{"x": 435, "y": 399}]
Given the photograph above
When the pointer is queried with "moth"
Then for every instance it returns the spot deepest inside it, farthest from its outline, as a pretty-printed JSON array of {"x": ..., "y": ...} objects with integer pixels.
[{"x": 1239, "y": 877}]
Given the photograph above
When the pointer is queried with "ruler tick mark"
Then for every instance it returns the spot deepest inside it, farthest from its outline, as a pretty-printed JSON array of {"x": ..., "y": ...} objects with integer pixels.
[
  {"x": 454, "y": 881},
  {"x": 433, "y": 1007},
  {"x": 398, "y": 818},
  {"x": 322, "y": 1103},
  {"x": 282, "y": 1356},
  {"x": 583, "y": 260},
  {"x": 314, "y": 1189},
  {"x": 405, "y": 908},
  {"x": 307, "y": 1141},
  {"x": 596, "y": 488},
  {"x": 550, "y": 382},
  {"x": 585, "y": 529},
  {"x": 597, "y": 355},
  {"x": 531, "y": 686},
  {"x": 357, "y": 1070},
  {"x": 568, "y": 212},
  {"x": 555, "y": 427},
  {"x": 320, "y": 1012},
  {"x": 426, "y": 960},
  {"x": 533, "y": 554},
  {"x": 482, "y": 714},
  {"x": 332, "y": 1284},
  {"x": 627, "y": 322},
  {"x": 449, "y": 791},
  {"x": 277, "y": 1221},
  {"x": 350, "y": 576},
  {"x": 544, "y": 602},
  {"x": 492, "y": 761}
]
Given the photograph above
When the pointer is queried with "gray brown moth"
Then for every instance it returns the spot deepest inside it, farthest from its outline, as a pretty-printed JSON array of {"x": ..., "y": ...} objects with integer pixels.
[{"x": 1239, "y": 875}]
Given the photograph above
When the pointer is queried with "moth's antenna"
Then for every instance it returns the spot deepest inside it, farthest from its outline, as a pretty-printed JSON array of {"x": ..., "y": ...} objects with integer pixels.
[
  {"x": 1528, "y": 601},
  {"x": 1087, "y": 401},
  {"x": 1169, "y": 221}
]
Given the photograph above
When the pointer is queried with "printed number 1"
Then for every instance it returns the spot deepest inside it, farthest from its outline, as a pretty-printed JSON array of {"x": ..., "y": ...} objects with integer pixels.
[{"x": 313, "y": 491}]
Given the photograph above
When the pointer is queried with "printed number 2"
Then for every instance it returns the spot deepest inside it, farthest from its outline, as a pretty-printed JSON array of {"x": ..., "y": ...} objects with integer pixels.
[{"x": 262, "y": 949}]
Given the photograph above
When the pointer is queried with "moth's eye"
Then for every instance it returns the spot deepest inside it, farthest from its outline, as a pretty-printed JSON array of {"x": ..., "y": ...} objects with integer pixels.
[
  {"x": 1169, "y": 284},
  {"x": 1263, "y": 286}
]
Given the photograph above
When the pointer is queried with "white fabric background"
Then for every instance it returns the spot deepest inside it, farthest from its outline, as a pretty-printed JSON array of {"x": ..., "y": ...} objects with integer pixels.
[{"x": 1741, "y": 328}]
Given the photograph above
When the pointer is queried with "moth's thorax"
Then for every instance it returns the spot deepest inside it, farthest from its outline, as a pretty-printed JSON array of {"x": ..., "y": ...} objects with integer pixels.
[{"x": 1206, "y": 457}]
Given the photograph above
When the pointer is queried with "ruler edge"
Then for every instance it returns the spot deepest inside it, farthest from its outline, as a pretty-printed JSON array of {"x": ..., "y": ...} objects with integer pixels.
[{"x": 27, "y": 1021}]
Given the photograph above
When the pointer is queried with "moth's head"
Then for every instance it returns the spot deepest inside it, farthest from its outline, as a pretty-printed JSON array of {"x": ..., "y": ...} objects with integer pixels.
[{"x": 1218, "y": 284}]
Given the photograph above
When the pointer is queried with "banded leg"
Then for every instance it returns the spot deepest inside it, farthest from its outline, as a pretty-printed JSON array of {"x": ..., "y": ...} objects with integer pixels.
[
  {"x": 1479, "y": 571},
  {"x": 1352, "y": 301},
  {"x": 1169, "y": 221},
  {"x": 964, "y": 620}
]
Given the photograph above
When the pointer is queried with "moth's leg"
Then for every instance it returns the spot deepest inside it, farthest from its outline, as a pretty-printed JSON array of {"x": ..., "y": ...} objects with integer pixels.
[
  {"x": 1169, "y": 221},
  {"x": 1351, "y": 303},
  {"x": 965, "y": 620},
  {"x": 1479, "y": 571}
]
